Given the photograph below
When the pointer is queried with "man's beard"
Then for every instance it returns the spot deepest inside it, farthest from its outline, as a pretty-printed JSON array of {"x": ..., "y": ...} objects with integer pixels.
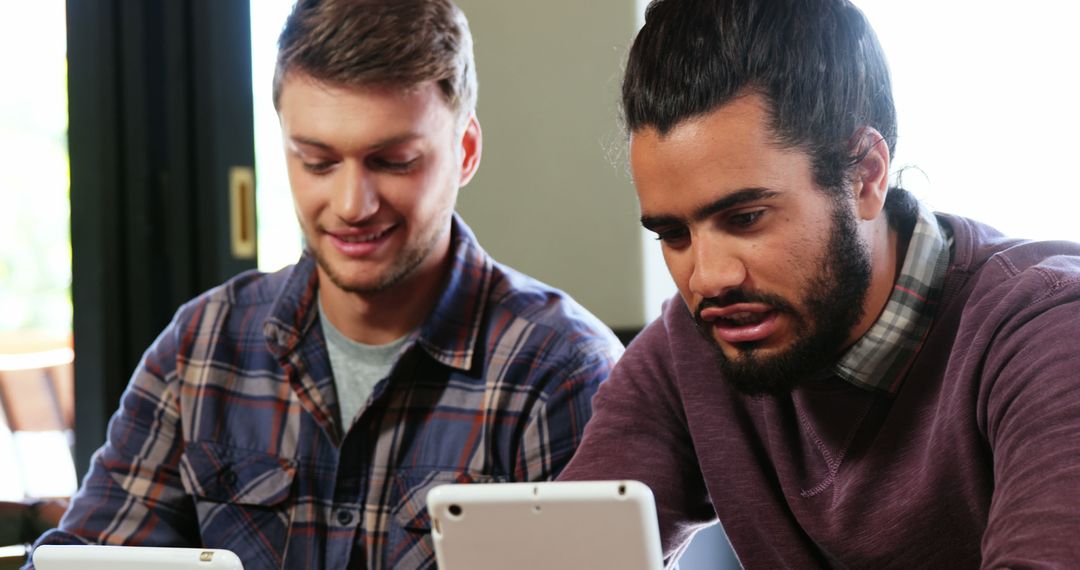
[{"x": 833, "y": 305}]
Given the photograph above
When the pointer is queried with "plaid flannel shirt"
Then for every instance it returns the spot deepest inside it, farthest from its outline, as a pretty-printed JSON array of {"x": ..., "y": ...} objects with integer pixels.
[
  {"x": 228, "y": 437},
  {"x": 879, "y": 360}
]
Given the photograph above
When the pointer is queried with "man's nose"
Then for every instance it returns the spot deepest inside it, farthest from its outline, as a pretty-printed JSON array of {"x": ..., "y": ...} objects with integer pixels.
[
  {"x": 717, "y": 269},
  {"x": 358, "y": 200}
]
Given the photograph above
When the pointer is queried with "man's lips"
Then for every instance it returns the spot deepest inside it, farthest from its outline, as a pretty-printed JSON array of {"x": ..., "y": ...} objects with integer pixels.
[
  {"x": 360, "y": 242},
  {"x": 357, "y": 235},
  {"x": 741, "y": 322}
]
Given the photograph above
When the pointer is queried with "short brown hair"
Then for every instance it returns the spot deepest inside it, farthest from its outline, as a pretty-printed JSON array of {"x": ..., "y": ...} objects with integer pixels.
[{"x": 384, "y": 43}]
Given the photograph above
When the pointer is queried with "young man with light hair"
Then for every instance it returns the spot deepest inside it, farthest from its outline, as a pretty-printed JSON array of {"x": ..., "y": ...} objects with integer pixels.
[{"x": 299, "y": 418}]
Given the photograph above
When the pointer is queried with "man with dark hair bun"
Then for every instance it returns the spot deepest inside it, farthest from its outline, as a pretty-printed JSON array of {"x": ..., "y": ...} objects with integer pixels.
[
  {"x": 299, "y": 418},
  {"x": 846, "y": 379}
]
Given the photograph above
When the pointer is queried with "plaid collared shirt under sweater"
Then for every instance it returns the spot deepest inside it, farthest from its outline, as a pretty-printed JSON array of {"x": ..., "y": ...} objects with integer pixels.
[
  {"x": 879, "y": 360},
  {"x": 228, "y": 434}
]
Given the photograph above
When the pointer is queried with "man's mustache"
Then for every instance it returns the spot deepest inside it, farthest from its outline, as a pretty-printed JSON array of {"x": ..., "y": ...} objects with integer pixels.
[{"x": 736, "y": 296}]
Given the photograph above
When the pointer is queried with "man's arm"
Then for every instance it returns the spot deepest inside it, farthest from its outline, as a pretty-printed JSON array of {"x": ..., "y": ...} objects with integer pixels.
[
  {"x": 133, "y": 493},
  {"x": 1032, "y": 423},
  {"x": 638, "y": 431},
  {"x": 556, "y": 425}
]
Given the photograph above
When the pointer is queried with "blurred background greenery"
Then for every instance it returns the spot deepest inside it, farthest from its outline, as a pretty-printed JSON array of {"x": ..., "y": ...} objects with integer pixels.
[{"x": 35, "y": 247}]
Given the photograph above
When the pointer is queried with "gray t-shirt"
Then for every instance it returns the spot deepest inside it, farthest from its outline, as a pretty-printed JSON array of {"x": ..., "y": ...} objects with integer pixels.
[{"x": 357, "y": 367}]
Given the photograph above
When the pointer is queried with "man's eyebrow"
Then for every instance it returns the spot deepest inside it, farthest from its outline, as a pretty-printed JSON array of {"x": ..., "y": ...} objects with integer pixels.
[
  {"x": 727, "y": 202},
  {"x": 310, "y": 142},
  {"x": 653, "y": 223},
  {"x": 734, "y": 199},
  {"x": 391, "y": 141}
]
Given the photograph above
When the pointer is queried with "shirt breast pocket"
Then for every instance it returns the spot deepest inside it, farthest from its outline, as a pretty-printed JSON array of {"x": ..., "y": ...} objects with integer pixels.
[
  {"x": 410, "y": 544},
  {"x": 241, "y": 498}
]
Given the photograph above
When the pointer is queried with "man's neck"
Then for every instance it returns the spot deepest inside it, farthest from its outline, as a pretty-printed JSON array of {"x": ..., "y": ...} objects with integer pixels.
[
  {"x": 381, "y": 317},
  {"x": 887, "y": 254}
]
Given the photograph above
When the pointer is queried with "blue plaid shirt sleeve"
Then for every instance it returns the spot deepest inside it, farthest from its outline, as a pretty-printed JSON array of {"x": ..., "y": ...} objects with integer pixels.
[
  {"x": 555, "y": 428},
  {"x": 137, "y": 471}
]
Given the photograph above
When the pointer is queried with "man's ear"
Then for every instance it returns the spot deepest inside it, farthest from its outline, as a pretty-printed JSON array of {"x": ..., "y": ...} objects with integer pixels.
[
  {"x": 870, "y": 183},
  {"x": 472, "y": 140}
]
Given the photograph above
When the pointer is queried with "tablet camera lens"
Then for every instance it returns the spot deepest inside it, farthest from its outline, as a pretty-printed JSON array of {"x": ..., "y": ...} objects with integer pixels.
[{"x": 455, "y": 510}]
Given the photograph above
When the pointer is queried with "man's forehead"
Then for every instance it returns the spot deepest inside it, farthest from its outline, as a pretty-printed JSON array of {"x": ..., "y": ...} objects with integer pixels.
[{"x": 722, "y": 159}]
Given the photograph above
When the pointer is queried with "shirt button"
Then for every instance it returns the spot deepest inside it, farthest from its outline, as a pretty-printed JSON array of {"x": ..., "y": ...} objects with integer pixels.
[{"x": 344, "y": 517}]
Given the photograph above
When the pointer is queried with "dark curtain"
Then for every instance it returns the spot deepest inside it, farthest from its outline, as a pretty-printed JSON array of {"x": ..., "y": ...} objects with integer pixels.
[{"x": 160, "y": 112}]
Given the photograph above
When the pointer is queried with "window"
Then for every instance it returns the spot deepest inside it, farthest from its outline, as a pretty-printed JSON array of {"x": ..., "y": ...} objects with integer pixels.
[
  {"x": 986, "y": 96},
  {"x": 35, "y": 251},
  {"x": 279, "y": 236},
  {"x": 35, "y": 256}
]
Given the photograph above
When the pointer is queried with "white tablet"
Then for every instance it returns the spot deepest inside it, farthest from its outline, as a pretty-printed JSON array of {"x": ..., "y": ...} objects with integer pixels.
[
  {"x": 64, "y": 557},
  {"x": 540, "y": 526}
]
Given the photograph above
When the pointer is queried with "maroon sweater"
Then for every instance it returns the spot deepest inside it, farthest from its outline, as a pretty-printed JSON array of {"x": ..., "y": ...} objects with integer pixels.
[{"x": 974, "y": 462}]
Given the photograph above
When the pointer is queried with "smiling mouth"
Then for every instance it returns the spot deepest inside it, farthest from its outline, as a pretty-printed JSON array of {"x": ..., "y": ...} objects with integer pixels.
[{"x": 363, "y": 238}]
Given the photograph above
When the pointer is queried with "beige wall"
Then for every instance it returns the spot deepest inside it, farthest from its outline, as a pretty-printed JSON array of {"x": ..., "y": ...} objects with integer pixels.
[{"x": 553, "y": 197}]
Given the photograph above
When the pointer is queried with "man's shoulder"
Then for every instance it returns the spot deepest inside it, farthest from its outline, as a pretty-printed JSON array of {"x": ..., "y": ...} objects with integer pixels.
[
  {"x": 989, "y": 261},
  {"x": 518, "y": 300},
  {"x": 1001, "y": 293},
  {"x": 245, "y": 300},
  {"x": 252, "y": 287}
]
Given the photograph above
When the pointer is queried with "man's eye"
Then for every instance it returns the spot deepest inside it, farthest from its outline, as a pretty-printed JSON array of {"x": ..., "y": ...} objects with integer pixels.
[
  {"x": 745, "y": 219},
  {"x": 395, "y": 165},
  {"x": 318, "y": 167},
  {"x": 673, "y": 237}
]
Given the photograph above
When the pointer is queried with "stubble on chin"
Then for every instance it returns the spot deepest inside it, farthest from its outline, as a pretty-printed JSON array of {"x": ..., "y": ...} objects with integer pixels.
[{"x": 402, "y": 267}]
